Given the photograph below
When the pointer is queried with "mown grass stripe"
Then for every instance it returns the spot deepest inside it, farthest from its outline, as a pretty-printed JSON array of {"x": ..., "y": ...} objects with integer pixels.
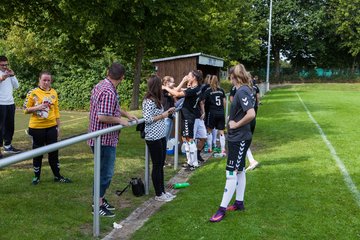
[{"x": 349, "y": 182}]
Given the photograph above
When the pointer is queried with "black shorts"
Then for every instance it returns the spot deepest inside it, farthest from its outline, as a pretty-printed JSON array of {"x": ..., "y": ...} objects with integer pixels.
[
  {"x": 187, "y": 128},
  {"x": 215, "y": 121},
  {"x": 237, "y": 154}
]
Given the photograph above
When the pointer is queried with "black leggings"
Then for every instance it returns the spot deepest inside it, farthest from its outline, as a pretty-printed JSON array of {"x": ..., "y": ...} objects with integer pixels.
[
  {"x": 42, "y": 137},
  {"x": 7, "y": 121},
  {"x": 157, "y": 151}
]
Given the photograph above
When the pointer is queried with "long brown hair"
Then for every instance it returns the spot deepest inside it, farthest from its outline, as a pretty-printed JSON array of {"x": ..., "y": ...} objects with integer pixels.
[
  {"x": 154, "y": 90},
  {"x": 198, "y": 76},
  {"x": 207, "y": 79}
]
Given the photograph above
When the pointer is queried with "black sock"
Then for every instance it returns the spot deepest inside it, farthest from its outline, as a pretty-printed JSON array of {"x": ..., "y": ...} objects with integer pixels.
[{"x": 199, "y": 156}]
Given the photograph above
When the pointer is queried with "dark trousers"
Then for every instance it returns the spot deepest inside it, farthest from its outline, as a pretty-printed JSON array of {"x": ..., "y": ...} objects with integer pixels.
[
  {"x": 42, "y": 137},
  {"x": 7, "y": 122},
  {"x": 157, "y": 151}
]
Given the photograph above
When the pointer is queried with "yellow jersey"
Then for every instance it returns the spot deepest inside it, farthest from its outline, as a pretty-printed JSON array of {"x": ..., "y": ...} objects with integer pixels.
[{"x": 45, "y": 118}]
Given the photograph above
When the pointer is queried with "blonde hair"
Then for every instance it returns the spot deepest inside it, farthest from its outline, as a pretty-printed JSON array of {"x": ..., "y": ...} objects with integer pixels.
[
  {"x": 214, "y": 82},
  {"x": 242, "y": 76},
  {"x": 166, "y": 79}
]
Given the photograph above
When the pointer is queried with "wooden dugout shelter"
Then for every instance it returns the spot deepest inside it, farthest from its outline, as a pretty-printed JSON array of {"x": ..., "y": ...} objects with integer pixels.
[{"x": 179, "y": 66}]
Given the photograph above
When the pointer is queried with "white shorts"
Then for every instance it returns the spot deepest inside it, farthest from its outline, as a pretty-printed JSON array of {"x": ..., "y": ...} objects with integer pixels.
[{"x": 199, "y": 129}]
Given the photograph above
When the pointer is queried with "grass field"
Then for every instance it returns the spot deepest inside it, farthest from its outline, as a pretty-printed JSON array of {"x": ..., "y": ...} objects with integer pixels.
[
  {"x": 301, "y": 190},
  {"x": 298, "y": 192},
  {"x": 56, "y": 211}
]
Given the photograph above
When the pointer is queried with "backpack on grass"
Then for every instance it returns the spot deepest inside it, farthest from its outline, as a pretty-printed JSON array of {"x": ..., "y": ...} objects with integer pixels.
[{"x": 137, "y": 187}]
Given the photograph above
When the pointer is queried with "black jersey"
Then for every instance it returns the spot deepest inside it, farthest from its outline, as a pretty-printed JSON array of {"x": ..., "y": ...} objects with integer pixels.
[
  {"x": 167, "y": 101},
  {"x": 214, "y": 100},
  {"x": 242, "y": 102},
  {"x": 191, "y": 102},
  {"x": 203, "y": 88},
  {"x": 232, "y": 91}
]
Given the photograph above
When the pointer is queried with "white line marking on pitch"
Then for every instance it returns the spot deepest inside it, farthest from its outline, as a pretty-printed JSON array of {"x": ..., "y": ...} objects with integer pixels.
[{"x": 345, "y": 173}]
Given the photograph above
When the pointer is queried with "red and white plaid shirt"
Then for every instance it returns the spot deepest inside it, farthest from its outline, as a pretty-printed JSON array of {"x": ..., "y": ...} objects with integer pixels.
[{"x": 105, "y": 101}]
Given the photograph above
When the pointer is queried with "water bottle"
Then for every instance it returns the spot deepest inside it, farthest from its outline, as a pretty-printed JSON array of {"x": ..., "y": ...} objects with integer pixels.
[{"x": 181, "y": 185}]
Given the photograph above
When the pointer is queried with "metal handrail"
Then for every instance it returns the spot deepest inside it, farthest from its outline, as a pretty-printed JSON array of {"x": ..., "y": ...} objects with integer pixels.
[
  {"x": 65, "y": 143},
  {"x": 58, "y": 145},
  {"x": 97, "y": 146}
]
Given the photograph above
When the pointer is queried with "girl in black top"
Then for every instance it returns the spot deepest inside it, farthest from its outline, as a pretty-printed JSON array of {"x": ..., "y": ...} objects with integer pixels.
[
  {"x": 239, "y": 139},
  {"x": 188, "y": 113},
  {"x": 256, "y": 92},
  {"x": 215, "y": 117}
]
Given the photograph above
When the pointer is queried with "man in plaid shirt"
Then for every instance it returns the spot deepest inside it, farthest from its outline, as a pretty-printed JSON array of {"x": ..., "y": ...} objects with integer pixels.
[{"x": 105, "y": 112}]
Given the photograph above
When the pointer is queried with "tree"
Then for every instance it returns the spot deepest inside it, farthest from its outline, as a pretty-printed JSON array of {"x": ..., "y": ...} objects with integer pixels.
[{"x": 347, "y": 20}]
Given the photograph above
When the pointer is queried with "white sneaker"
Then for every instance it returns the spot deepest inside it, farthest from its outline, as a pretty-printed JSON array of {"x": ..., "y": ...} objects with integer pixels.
[
  {"x": 170, "y": 195},
  {"x": 163, "y": 198}
]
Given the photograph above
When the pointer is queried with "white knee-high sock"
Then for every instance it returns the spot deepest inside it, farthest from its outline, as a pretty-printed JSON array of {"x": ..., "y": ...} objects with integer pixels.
[
  {"x": 209, "y": 140},
  {"x": 222, "y": 142},
  {"x": 193, "y": 154},
  {"x": 250, "y": 156},
  {"x": 230, "y": 187},
  {"x": 214, "y": 136},
  {"x": 241, "y": 183},
  {"x": 187, "y": 151}
]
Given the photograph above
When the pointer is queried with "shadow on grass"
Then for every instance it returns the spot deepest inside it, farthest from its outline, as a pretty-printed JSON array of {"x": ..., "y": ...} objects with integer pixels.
[{"x": 281, "y": 203}]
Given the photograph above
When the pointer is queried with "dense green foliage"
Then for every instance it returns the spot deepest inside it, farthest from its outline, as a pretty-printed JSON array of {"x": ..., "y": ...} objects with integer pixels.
[{"x": 77, "y": 40}]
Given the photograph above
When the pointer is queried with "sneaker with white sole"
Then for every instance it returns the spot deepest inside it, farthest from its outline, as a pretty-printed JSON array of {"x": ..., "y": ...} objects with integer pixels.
[
  {"x": 108, "y": 205},
  {"x": 11, "y": 149},
  {"x": 170, "y": 195},
  {"x": 104, "y": 212},
  {"x": 62, "y": 180},
  {"x": 163, "y": 198}
]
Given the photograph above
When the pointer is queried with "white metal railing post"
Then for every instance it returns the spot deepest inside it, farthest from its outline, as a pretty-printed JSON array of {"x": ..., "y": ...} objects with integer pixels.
[
  {"x": 176, "y": 151},
  {"x": 97, "y": 155},
  {"x": 147, "y": 170}
]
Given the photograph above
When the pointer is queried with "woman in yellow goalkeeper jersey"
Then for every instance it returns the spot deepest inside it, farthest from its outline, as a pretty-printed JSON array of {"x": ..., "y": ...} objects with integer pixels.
[{"x": 44, "y": 125}]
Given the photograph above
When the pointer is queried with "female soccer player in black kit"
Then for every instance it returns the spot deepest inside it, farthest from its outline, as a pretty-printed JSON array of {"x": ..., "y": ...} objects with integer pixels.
[
  {"x": 215, "y": 117},
  {"x": 239, "y": 138},
  {"x": 188, "y": 112}
]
